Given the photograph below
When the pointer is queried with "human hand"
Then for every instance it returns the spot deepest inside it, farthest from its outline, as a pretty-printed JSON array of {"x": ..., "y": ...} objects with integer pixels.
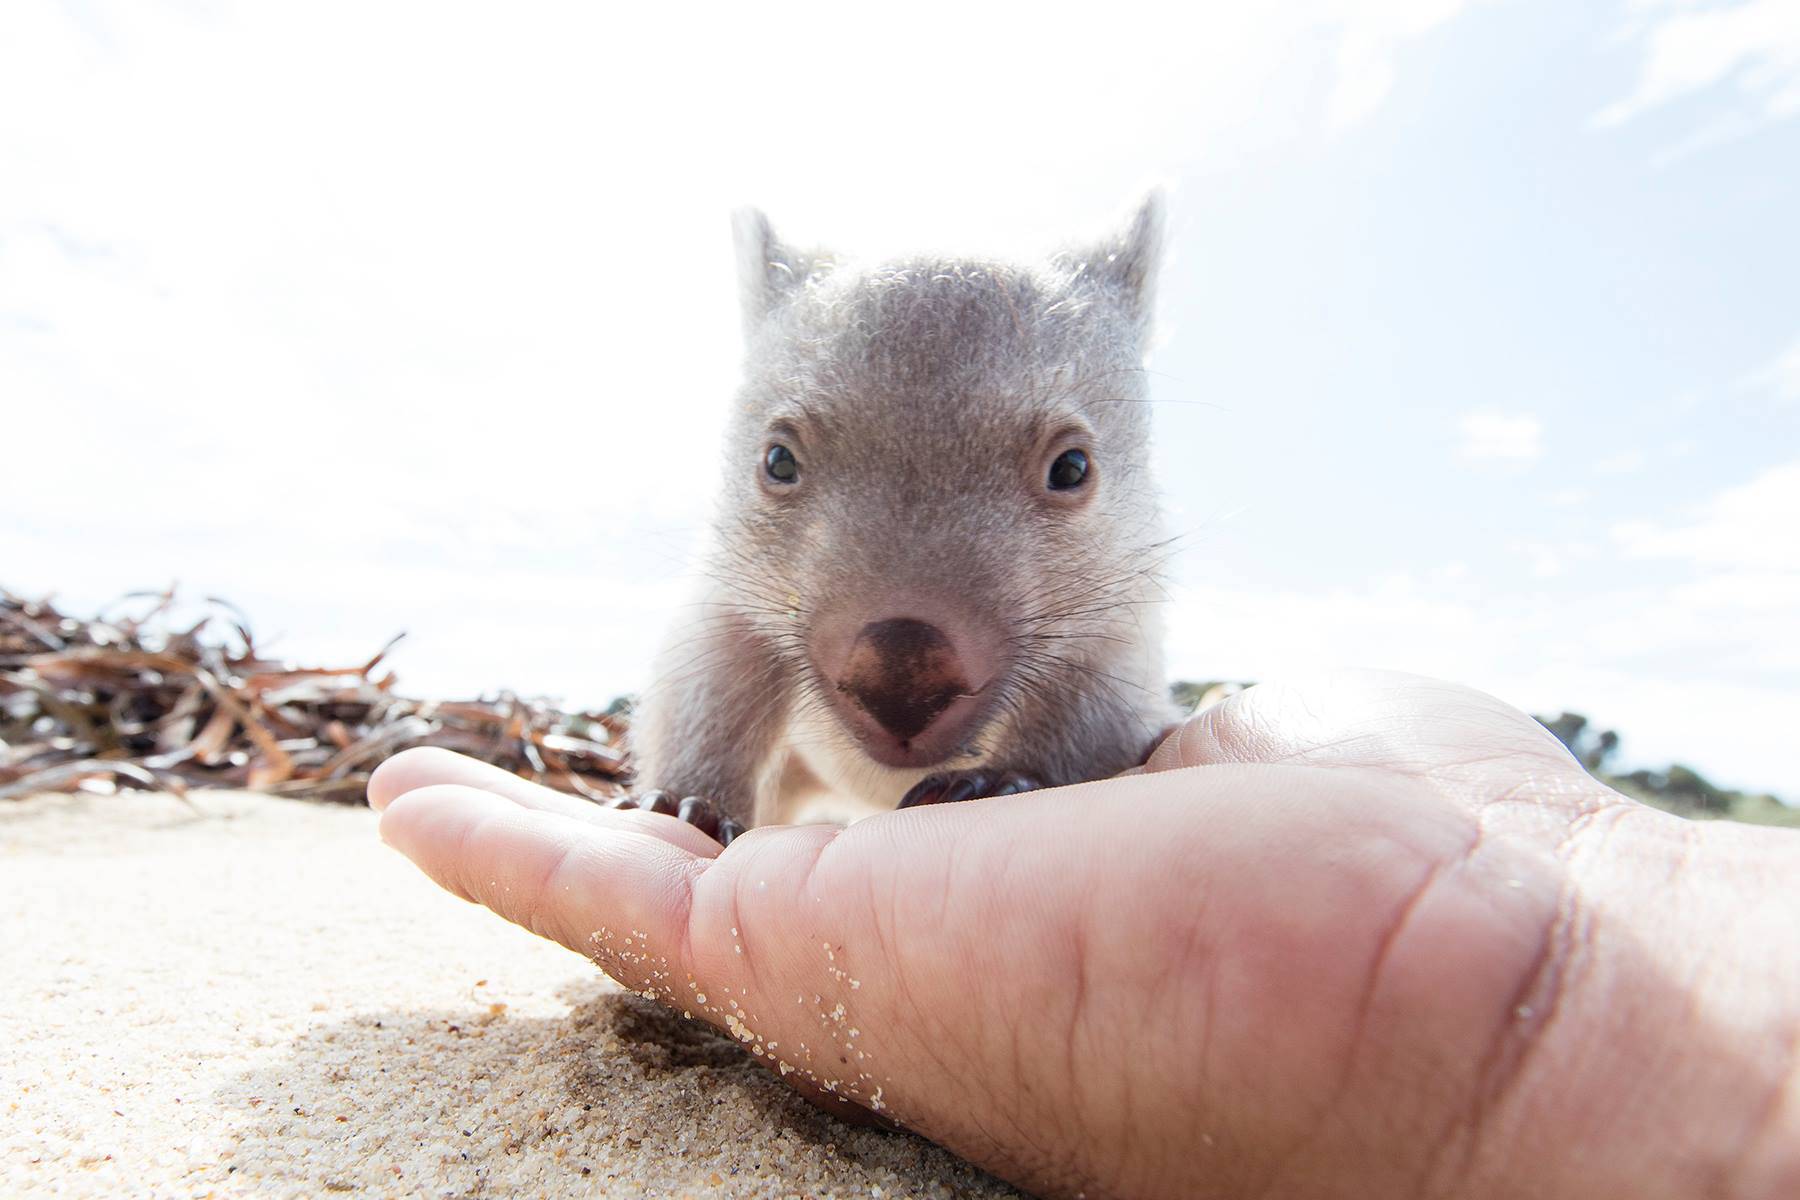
[{"x": 1363, "y": 935}]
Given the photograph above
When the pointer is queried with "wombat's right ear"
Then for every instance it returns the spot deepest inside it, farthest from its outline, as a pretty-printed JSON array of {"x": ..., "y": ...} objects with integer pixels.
[
  {"x": 1128, "y": 261},
  {"x": 769, "y": 271}
]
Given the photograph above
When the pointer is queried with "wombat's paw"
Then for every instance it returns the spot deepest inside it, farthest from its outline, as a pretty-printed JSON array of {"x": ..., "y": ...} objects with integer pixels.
[
  {"x": 695, "y": 810},
  {"x": 967, "y": 785}
]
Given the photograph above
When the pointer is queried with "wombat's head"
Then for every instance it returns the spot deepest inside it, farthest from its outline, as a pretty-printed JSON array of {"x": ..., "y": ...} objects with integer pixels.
[{"x": 938, "y": 509}]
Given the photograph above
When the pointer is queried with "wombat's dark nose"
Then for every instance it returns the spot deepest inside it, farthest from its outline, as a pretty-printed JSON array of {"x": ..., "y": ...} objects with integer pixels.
[{"x": 903, "y": 673}]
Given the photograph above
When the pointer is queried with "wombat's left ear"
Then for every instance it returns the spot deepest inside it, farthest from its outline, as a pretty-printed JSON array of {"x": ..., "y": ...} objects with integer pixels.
[
  {"x": 769, "y": 270},
  {"x": 1128, "y": 261}
]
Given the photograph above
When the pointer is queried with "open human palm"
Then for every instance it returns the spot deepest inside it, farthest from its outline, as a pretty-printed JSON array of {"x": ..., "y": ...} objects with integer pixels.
[{"x": 1363, "y": 935}]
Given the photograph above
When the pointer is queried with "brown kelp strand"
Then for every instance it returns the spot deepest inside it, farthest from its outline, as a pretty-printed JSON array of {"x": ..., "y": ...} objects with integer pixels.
[{"x": 133, "y": 698}]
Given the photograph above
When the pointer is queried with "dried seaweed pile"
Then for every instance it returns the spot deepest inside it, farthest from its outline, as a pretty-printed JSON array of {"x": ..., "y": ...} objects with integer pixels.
[{"x": 130, "y": 701}]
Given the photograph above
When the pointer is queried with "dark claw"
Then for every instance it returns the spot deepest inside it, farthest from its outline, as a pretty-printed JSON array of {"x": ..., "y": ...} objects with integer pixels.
[
  {"x": 1012, "y": 783},
  {"x": 699, "y": 812},
  {"x": 929, "y": 790},
  {"x": 958, "y": 786},
  {"x": 962, "y": 789},
  {"x": 658, "y": 801}
]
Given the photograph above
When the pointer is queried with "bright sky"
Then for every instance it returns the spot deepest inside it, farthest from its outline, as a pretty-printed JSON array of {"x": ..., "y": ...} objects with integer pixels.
[{"x": 1479, "y": 352}]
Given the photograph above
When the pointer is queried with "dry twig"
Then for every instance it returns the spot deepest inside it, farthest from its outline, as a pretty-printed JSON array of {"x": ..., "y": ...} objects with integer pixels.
[{"x": 130, "y": 701}]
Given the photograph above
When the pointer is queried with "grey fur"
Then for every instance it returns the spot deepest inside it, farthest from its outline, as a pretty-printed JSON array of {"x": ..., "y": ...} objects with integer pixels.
[{"x": 923, "y": 393}]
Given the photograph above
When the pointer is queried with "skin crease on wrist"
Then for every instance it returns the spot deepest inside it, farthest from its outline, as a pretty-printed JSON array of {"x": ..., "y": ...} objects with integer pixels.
[{"x": 1359, "y": 935}]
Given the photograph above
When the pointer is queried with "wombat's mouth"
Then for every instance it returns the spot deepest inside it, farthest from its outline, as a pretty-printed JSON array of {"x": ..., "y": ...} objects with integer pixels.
[
  {"x": 904, "y": 714},
  {"x": 945, "y": 736}
]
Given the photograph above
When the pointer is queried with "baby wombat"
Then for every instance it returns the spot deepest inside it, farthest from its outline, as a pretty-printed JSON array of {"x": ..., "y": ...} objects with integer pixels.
[{"x": 936, "y": 565}]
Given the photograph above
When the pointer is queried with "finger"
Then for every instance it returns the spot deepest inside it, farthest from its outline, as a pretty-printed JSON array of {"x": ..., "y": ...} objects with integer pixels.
[
  {"x": 575, "y": 882},
  {"x": 423, "y": 766},
  {"x": 429, "y": 766}
]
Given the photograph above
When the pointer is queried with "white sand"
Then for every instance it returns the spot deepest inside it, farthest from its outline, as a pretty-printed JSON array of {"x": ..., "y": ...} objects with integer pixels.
[{"x": 262, "y": 1000}]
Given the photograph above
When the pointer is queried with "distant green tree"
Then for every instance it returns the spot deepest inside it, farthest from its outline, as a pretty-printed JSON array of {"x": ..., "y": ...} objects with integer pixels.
[
  {"x": 1677, "y": 788},
  {"x": 1187, "y": 693},
  {"x": 1591, "y": 748},
  {"x": 1764, "y": 809}
]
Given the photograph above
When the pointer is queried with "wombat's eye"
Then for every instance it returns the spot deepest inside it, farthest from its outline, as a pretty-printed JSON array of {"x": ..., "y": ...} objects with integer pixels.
[
  {"x": 780, "y": 465},
  {"x": 1070, "y": 470}
]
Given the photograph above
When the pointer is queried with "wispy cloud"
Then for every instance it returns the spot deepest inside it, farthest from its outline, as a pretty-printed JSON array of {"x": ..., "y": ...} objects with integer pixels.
[
  {"x": 1368, "y": 51},
  {"x": 1623, "y": 462},
  {"x": 1780, "y": 377},
  {"x": 1548, "y": 560},
  {"x": 1749, "y": 527},
  {"x": 1753, "y": 46},
  {"x": 1568, "y": 497},
  {"x": 1489, "y": 436}
]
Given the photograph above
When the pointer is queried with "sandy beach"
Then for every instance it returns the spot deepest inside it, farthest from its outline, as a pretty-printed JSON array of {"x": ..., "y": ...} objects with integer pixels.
[{"x": 250, "y": 996}]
